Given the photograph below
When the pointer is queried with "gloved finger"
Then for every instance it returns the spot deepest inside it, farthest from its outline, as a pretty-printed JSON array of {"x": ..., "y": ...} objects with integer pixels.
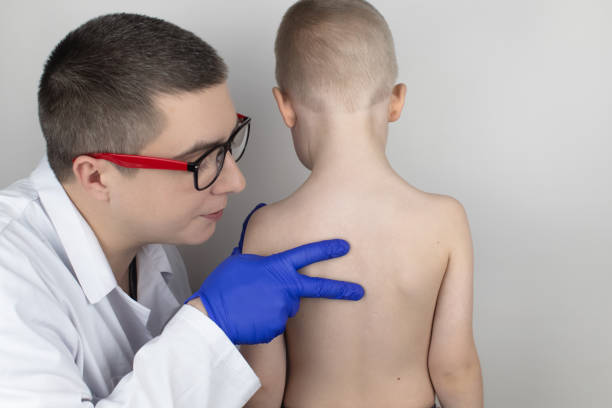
[
  {"x": 304, "y": 255},
  {"x": 329, "y": 288},
  {"x": 238, "y": 249}
]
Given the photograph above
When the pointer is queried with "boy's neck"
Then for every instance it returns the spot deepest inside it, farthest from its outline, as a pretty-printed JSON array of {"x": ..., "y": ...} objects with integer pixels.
[{"x": 345, "y": 143}]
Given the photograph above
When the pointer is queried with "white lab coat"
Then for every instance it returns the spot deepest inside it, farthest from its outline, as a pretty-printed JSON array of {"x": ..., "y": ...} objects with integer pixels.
[{"x": 71, "y": 337}]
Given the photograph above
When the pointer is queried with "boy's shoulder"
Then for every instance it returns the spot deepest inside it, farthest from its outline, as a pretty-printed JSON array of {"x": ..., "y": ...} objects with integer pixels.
[
  {"x": 264, "y": 233},
  {"x": 426, "y": 205},
  {"x": 442, "y": 205},
  {"x": 442, "y": 218},
  {"x": 444, "y": 214}
]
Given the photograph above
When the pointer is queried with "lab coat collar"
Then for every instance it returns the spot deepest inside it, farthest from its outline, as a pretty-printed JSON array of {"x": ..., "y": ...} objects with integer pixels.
[
  {"x": 153, "y": 291},
  {"x": 88, "y": 261}
]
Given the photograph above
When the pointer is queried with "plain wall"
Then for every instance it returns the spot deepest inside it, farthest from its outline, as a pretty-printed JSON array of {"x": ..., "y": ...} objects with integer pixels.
[{"x": 508, "y": 110}]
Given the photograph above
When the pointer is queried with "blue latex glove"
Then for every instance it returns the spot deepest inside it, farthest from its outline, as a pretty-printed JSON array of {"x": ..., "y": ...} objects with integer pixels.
[{"x": 250, "y": 297}]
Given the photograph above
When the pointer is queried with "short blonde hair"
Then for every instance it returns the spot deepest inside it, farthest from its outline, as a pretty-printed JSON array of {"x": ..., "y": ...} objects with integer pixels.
[{"x": 335, "y": 54}]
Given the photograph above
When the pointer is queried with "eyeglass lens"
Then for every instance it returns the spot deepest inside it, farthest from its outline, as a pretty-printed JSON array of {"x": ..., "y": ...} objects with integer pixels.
[
  {"x": 239, "y": 142},
  {"x": 212, "y": 164}
]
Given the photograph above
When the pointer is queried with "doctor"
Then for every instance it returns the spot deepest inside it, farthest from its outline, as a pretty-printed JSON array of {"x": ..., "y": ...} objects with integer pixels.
[{"x": 142, "y": 143}]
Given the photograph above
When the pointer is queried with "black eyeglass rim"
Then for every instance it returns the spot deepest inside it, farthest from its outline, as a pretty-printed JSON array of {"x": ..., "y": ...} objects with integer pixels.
[{"x": 194, "y": 165}]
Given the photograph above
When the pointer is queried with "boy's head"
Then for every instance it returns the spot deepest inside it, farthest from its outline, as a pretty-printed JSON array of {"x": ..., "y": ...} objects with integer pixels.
[
  {"x": 335, "y": 55},
  {"x": 98, "y": 87}
]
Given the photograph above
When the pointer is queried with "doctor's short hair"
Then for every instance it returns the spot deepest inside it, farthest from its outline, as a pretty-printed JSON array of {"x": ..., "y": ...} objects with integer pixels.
[
  {"x": 99, "y": 84},
  {"x": 335, "y": 55}
]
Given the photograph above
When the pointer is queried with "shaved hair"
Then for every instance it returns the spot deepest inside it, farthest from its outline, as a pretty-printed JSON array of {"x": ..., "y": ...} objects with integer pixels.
[
  {"x": 97, "y": 91},
  {"x": 335, "y": 55}
]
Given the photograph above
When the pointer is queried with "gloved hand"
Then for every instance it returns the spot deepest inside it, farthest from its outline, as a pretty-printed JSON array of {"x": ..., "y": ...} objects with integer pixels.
[{"x": 250, "y": 297}]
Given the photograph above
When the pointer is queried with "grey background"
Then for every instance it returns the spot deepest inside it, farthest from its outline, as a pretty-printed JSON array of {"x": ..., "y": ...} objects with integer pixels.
[{"x": 508, "y": 110}]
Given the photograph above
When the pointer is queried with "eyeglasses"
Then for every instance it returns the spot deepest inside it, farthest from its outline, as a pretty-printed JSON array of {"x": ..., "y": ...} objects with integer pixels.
[{"x": 205, "y": 169}]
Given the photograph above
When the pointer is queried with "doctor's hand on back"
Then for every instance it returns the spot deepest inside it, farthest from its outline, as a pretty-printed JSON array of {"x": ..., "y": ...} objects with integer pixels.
[{"x": 250, "y": 297}]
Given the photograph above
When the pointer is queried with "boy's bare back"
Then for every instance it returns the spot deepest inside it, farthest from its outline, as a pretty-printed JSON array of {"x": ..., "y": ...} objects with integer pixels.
[
  {"x": 373, "y": 353},
  {"x": 410, "y": 337}
]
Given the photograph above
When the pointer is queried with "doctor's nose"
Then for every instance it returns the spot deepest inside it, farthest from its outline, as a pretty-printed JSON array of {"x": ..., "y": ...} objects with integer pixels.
[{"x": 231, "y": 179}]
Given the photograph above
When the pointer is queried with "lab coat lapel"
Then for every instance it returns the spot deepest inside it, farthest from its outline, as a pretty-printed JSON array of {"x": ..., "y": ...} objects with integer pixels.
[
  {"x": 153, "y": 290},
  {"x": 87, "y": 259}
]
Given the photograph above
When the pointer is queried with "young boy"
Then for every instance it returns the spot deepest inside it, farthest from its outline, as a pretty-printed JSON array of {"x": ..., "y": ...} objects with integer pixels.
[{"x": 411, "y": 336}]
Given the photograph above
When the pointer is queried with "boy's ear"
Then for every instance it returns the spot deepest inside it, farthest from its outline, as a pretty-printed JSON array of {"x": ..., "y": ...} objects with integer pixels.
[
  {"x": 398, "y": 97},
  {"x": 90, "y": 174},
  {"x": 284, "y": 106}
]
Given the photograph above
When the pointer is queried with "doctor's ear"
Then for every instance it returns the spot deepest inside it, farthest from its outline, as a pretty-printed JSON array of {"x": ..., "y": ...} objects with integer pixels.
[
  {"x": 92, "y": 176},
  {"x": 396, "y": 104},
  {"x": 285, "y": 107}
]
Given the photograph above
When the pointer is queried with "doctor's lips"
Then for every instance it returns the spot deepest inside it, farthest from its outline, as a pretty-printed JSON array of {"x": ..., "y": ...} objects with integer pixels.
[{"x": 214, "y": 216}]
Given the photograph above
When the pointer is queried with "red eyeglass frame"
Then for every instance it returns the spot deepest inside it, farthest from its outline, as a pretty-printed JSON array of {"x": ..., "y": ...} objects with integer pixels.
[{"x": 159, "y": 163}]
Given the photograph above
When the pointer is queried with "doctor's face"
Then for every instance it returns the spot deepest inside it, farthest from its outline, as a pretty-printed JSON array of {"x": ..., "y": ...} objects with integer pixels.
[{"x": 163, "y": 205}]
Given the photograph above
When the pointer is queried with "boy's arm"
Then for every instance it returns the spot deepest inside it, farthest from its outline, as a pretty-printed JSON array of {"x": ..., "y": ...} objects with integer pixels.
[
  {"x": 453, "y": 361},
  {"x": 267, "y": 360}
]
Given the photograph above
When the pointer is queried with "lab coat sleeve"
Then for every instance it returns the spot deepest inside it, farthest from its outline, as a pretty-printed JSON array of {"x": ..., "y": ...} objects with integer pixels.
[{"x": 192, "y": 363}]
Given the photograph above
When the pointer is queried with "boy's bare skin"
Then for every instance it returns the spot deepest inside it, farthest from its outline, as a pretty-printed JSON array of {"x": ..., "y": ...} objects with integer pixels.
[{"x": 411, "y": 335}]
